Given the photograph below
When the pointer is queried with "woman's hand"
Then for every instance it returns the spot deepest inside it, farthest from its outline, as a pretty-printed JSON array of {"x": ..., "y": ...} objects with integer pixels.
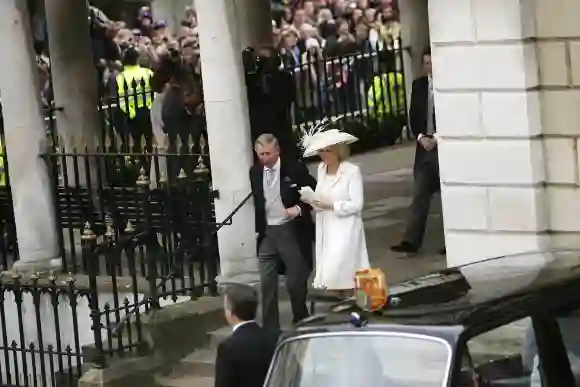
[{"x": 322, "y": 204}]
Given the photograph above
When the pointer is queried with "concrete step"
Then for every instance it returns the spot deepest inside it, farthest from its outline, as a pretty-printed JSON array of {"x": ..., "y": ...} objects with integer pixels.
[
  {"x": 219, "y": 335},
  {"x": 198, "y": 367},
  {"x": 199, "y": 363},
  {"x": 185, "y": 381}
]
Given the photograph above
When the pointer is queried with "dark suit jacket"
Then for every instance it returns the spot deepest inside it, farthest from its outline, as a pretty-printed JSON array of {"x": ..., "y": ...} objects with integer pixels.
[
  {"x": 243, "y": 359},
  {"x": 293, "y": 176},
  {"x": 418, "y": 119}
]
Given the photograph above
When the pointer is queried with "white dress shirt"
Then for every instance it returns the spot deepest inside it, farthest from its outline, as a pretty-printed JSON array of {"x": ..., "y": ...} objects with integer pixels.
[
  {"x": 275, "y": 211},
  {"x": 240, "y": 324}
]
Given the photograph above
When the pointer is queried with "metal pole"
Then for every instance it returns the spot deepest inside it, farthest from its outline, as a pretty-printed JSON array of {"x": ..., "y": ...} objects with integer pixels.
[{"x": 89, "y": 241}]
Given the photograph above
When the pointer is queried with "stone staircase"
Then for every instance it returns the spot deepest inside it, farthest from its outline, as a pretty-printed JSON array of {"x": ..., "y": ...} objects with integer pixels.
[{"x": 197, "y": 369}]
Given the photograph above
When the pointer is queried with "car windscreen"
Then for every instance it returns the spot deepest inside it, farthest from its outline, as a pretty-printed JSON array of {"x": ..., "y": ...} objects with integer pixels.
[{"x": 369, "y": 359}]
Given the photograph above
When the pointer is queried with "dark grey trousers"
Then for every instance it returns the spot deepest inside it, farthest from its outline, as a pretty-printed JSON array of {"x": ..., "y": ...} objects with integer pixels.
[
  {"x": 280, "y": 243},
  {"x": 427, "y": 184}
]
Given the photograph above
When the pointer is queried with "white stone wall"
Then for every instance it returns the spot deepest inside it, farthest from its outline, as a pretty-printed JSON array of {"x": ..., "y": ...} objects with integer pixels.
[{"x": 507, "y": 80}]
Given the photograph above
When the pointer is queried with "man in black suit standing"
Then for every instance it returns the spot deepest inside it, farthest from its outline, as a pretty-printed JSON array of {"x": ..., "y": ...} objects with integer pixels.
[
  {"x": 426, "y": 168},
  {"x": 284, "y": 228},
  {"x": 243, "y": 359}
]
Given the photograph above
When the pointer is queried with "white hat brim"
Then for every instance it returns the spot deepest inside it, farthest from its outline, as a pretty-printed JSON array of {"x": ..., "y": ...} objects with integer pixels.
[{"x": 324, "y": 141}]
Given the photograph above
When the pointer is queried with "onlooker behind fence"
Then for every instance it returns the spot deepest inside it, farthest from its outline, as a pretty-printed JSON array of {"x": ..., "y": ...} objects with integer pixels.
[
  {"x": 289, "y": 49},
  {"x": 309, "y": 81},
  {"x": 161, "y": 84},
  {"x": 183, "y": 116}
]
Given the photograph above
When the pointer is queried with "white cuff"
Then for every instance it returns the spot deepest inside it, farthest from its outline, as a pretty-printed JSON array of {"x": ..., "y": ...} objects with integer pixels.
[{"x": 299, "y": 210}]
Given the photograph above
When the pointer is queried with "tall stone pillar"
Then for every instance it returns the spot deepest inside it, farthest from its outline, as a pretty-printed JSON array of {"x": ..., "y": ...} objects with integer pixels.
[
  {"x": 413, "y": 15},
  {"x": 25, "y": 141},
  {"x": 558, "y": 54},
  {"x": 506, "y": 75},
  {"x": 228, "y": 129},
  {"x": 74, "y": 77},
  {"x": 254, "y": 18},
  {"x": 255, "y": 23}
]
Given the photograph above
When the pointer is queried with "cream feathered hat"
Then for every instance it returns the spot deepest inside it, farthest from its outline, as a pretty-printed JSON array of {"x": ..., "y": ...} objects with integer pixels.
[{"x": 320, "y": 136}]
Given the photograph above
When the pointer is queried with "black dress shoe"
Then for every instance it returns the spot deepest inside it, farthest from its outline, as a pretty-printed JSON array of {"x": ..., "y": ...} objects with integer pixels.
[{"x": 405, "y": 247}]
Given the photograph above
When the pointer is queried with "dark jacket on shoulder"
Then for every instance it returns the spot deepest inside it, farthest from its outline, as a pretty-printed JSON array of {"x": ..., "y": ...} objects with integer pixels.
[
  {"x": 293, "y": 176},
  {"x": 243, "y": 359}
]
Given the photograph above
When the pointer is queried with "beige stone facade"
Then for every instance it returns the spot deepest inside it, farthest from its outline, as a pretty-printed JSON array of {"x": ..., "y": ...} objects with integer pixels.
[{"x": 507, "y": 85}]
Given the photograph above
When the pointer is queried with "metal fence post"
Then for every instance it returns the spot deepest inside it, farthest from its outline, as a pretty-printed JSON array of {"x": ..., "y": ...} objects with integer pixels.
[
  {"x": 89, "y": 242},
  {"x": 150, "y": 239},
  {"x": 204, "y": 193}
]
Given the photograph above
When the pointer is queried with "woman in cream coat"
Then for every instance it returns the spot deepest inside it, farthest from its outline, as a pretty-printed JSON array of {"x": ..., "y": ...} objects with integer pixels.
[{"x": 341, "y": 248}]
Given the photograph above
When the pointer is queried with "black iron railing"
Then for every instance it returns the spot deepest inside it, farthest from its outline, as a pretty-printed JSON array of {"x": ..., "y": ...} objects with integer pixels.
[
  {"x": 42, "y": 330},
  {"x": 367, "y": 88},
  {"x": 150, "y": 297},
  {"x": 122, "y": 320}
]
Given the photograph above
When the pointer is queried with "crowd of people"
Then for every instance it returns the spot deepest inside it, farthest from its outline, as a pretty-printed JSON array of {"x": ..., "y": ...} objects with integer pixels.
[
  {"x": 329, "y": 28},
  {"x": 303, "y": 32}
]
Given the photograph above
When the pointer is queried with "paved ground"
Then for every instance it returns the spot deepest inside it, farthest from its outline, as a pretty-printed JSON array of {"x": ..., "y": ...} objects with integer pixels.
[{"x": 388, "y": 175}]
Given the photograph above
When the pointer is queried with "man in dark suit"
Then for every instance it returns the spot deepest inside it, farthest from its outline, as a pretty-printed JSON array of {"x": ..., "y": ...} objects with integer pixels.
[
  {"x": 284, "y": 228},
  {"x": 243, "y": 358},
  {"x": 426, "y": 168}
]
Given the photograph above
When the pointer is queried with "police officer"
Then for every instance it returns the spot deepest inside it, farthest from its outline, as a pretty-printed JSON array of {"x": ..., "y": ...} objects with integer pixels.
[
  {"x": 135, "y": 97},
  {"x": 386, "y": 100}
]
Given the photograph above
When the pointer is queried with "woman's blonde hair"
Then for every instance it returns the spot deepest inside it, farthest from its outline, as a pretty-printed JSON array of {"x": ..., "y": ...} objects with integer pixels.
[{"x": 342, "y": 151}]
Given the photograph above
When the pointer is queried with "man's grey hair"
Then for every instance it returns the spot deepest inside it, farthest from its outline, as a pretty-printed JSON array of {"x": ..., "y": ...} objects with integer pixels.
[
  {"x": 266, "y": 139},
  {"x": 242, "y": 301}
]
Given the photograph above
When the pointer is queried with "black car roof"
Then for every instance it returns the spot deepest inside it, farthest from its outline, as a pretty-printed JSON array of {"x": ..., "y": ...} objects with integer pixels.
[{"x": 493, "y": 292}]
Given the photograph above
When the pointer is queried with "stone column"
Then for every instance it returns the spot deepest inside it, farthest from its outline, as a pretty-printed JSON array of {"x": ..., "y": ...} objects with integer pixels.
[
  {"x": 414, "y": 19},
  {"x": 25, "y": 141},
  {"x": 255, "y": 23},
  {"x": 506, "y": 76},
  {"x": 228, "y": 129},
  {"x": 74, "y": 77},
  {"x": 558, "y": 52}
]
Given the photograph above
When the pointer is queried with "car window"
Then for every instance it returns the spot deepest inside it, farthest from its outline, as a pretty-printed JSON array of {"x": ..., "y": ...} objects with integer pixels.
[
  {"x": 370, "y": 360},
  {"x": 505, "y": 354}
]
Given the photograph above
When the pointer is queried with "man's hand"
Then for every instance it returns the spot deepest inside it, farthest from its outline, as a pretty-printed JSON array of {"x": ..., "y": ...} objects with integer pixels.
[
  {"x": 292, "y": 212},
  {"x": 428, "y": 143}
]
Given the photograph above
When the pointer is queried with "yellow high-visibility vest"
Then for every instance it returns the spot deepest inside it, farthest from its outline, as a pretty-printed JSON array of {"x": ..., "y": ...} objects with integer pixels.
[
  {"x": 379, "y": 104},
  {"x": 2, "y": 170},
  {"x": 138, "y": 98}
]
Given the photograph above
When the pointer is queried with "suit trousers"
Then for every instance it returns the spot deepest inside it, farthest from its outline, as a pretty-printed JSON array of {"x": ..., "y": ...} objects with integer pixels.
[
  {"x": 281, "y": 243},
  {"x": 426, "y": 174}
]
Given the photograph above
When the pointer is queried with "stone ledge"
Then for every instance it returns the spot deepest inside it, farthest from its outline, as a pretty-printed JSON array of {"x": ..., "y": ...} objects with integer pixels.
[
  {"x": 177, "y": 330},
  {"x": 171, "y": 333},
  {"x": 131, "y": 371}
]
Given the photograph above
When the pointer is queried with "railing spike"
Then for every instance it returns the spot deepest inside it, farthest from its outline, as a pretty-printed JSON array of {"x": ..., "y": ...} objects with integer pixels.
[
  {"x": 129, "y": 228},
  {"x": 88, "y": 233}
]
